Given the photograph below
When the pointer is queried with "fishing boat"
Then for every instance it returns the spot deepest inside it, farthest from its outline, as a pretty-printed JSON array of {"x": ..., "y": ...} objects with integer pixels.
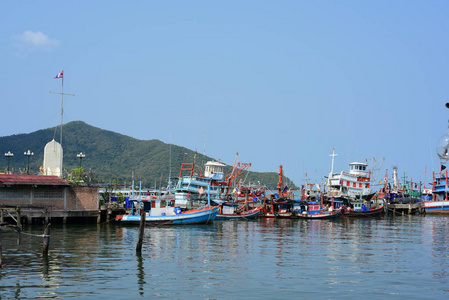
[
  {"x": 401, "y": 197},
  {"x": 193, "y": 197},
  {"x": 440, "y": 190},
  {"x": 194, "y": 188},
  {"x": 313, "y": 210},
  {"x": 440, "y": 182},
  {"x": 360, "y": 208},
  {"x": 279, "y": 205},
  {"x": 352, "y": 184},
  {"x": 236, "y": 212},
  {"x": 277, "y": 208},
  {"x": 164, "y": 212}
]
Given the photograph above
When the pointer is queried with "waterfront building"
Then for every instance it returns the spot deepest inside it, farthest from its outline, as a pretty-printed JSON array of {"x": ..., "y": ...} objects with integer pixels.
[{"x": 56, "y": 198}]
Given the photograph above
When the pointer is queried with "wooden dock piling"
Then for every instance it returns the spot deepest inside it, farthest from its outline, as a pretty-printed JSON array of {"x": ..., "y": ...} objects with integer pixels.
[
  {"x": 1, "y": 253},
  {"x": 141, "y": 231},
  {"x": 19, "y": 217},
  {"x": 19, "y": 235},
  {"x": 46, "y": 239}
]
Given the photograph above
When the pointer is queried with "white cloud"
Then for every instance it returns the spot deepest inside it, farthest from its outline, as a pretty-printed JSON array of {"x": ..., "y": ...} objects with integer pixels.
[{"x": 30, "y": 41}]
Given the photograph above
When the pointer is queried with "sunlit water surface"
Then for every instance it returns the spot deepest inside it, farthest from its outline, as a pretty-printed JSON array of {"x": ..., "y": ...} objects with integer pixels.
[{"x": 405, "y": 257}]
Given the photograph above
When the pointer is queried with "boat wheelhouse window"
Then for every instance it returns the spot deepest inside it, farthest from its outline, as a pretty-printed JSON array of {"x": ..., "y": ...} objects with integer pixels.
[
  {"x": 163, "y": 203},
  {"x": 146, "y": 206}
]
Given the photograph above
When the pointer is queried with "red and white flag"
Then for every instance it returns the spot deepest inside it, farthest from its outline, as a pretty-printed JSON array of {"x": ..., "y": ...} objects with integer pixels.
[{"x": 60, "y": 74}]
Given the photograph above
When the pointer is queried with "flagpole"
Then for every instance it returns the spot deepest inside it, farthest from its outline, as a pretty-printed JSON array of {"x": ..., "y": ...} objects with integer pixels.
[
  {"x": 62, "y": 109},
  {"x": 61, "y": 75}
]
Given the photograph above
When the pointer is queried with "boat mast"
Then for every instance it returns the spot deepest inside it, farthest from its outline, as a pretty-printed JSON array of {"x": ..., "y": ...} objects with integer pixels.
[
  {"x": 395, "y": 179},
  {"x": 332, "y": 167},
  {"x": 280, "y": 180}
]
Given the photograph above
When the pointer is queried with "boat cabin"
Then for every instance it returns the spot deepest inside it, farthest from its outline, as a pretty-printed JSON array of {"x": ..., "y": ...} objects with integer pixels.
[
  {"x": 352, "y": 184},
  {"x": 359, "y": 169},
  {"x": 359, "y": 205},
  {"x": 278, "y": 208},
  {"x": 214, "y": 170},
  {"x": 313, "y": 208},
  {"x": 155, "y": 207},
  {"x": 309, "y": 208},
  {"x": 440, "y": 184}
]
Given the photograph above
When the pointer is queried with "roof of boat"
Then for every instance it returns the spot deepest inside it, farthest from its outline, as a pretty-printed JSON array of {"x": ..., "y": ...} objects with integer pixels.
[
  {"x": 215, "y": 163},
  {"x": 358, "y": 163}
]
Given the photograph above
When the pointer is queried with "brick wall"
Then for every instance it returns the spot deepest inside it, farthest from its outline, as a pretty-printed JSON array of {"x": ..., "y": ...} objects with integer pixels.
[
  {"x": 82, "y": 198},
  {"x": 77, "y": 197}
]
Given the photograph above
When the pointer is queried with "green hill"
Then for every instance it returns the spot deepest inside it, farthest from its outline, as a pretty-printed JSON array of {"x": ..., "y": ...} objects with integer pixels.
[{"x": 110, "y": 156}]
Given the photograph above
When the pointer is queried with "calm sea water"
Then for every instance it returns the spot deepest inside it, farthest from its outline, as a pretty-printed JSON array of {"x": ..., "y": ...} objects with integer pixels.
[{"x": 405, "y": 257}]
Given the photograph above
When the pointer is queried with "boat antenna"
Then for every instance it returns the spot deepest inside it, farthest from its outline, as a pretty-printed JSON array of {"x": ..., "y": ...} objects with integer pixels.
[
  {"x": 425, "y": 173},
  {"x": 184, "y": 157},
  {"x": 204, "y": 146},
  {"x": 169, "y": 171}
]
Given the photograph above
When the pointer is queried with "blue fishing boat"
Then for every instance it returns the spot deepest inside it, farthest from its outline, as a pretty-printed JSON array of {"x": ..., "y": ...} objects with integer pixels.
[
  {"x": 194, "y": 189},
  {"x": 164, "y": 212},
  {"x": 313, "y": 210},
  {"x": 236, "y": 212},
  {"x": 440, "y": 190}
]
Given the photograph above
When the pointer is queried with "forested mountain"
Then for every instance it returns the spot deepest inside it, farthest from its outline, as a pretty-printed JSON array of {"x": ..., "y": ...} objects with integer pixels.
[{"x": 110, "y": 156}]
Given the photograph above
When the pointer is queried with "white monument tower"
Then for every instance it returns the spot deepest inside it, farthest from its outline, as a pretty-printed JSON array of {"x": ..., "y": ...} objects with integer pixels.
[{"x": 53, "y": 159}]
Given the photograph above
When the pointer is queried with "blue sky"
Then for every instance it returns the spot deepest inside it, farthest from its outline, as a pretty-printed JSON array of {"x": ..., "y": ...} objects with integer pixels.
[{"x": 280, "y": 82}]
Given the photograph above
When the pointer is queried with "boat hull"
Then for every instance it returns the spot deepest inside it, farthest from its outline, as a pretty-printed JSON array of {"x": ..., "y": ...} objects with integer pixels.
[
  {"x": 249, "y": 214},
  {"x": 282, "y": 215},
  {"x": 436, "y": 207},
  {"x": 198, "y": 216},
  {"x": 323, "y": 215},
  {"x": 364, "y": 213}
]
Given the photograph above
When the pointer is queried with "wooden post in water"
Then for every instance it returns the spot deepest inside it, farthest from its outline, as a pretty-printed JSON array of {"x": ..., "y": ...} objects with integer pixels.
[
  {"x": 19, "y": 235},
  {"x": 141, "y": 231},
  {"x": 46, "y": 239},
  {"x": 19, "y": 217},
  {"x": 0, "y": 249}
]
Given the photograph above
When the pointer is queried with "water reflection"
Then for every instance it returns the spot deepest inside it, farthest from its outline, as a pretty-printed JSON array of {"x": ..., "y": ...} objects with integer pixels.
[
  {"x": 45, "y": 267},
  {"x": 140, "y": 274},
  {"x": 439, "y": 240},
  {"x": 265, "y": 259}
]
